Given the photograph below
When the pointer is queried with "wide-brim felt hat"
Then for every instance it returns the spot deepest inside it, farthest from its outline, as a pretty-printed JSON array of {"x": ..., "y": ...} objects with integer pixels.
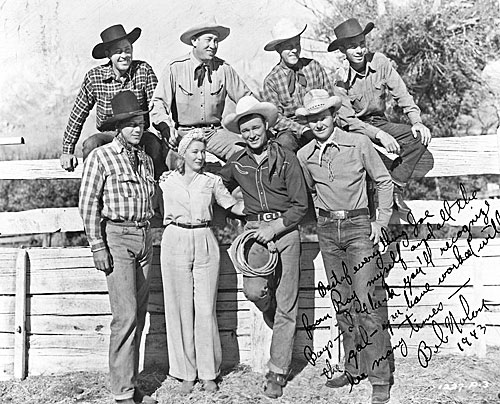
[
  {"x": 113, "y": 34},
  {"x": 124, "y": 106},
  {"x": 348, "y": 29},
  {"x": 316, "y": 101},
  {"x": 283, "y": 31},
  {"x": 211, "y": 26},
  {"x": 249, "y": 105}
]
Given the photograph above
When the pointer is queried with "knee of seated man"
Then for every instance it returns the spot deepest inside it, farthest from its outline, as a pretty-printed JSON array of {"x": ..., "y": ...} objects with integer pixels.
[
  {"x": 96, "y": 140},
  {"x": 288, "y": 141}
]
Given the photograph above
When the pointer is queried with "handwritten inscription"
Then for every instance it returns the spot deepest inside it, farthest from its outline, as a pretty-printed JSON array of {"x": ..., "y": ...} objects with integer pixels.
[{"x": 453, "y": 321}]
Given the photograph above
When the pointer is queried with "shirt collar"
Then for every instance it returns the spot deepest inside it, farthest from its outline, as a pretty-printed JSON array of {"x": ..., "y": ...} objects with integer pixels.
[
  {"x": 109, "y": 73},
  {"x": 286, "y": 68},
  {"x": 331, "y": 141},
  {"x": 370, "y": 67},
  {"x": 197, "y": 63}
]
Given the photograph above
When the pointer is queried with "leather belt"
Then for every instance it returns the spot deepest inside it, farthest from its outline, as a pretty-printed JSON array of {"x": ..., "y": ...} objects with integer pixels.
[
  {"x": 139, "y": 224},
  {"x": 191, "y": 226},
  {"x": 201, "y": 125},
  {"x": 263, "y": 217},
  {"x": 343, "y": 214}
]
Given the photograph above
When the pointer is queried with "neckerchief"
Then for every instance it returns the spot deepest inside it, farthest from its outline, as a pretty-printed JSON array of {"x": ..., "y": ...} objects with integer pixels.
[
  {"x": 200, "y": 71},
  {"x": 134, "y": 154},
  {"x": 276, "y": 157},
  {"x": 295, "y": 73}
]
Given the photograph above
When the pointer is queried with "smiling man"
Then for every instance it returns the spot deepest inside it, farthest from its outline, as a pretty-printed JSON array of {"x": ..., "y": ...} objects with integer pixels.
[
  {"x": 115, "y": 205},
  {"x": 192, "y": 92},
  {"x": 275, "y": 199},
  {"x": 288, "y": 82},
  {"x": 335, "y": 167},
  {"x": 369, "y": 77},
  {"x": 100, "y": 84}
]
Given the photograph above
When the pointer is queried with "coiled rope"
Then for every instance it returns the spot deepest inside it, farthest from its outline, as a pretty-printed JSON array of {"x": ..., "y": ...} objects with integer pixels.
[{"x": 237, "y": 256}]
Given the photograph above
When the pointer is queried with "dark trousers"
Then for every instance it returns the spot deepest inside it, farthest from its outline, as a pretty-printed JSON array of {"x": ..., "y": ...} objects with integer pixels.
[
  {"x": 290, "y": 141},
  {"x": 344, "y": 243},
  {"x": 412, "y": 148},
  {"x": 153, "y": 146}
]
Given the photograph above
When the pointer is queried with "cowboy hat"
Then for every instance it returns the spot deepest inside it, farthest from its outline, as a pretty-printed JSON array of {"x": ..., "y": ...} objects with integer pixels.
[
  {"x": 221, "y": 31},
  {"x": 249, "y": 105},
  {"x": 283, "y": 31},
  {"x": 316, "y": 101},
  {"x": 348, "y": 29},
  {"x": 124, "y": 106},
  {"x": 113, "y": 34}
]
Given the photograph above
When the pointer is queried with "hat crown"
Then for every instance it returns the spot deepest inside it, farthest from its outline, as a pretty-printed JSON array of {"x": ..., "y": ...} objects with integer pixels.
[
  {"x": 315, "y": 98},
  {"x": 112, "y": 33},
  {"x": 348, "y": 29},
  {"x": 125, "y": 102},
  {"x": 286, "y": 28},
  {"x": 245, "y": 104}
]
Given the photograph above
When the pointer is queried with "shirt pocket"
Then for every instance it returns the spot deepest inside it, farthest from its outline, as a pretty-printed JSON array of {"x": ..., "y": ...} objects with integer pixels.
[
  {"x": 128, "y": 185},
  {"x": 357, "y": 101},
  {"x": 379, "y": 90}
]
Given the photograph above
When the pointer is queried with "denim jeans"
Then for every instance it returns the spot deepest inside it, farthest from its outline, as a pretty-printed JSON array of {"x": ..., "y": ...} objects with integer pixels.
[
  {"x": 128, "y": 285},
  {"x": 412, "y": 148},
  {"x": 153, "y": 146},
  {"x": 283, "y": 286},
  {"x": 343, "y": 244}
]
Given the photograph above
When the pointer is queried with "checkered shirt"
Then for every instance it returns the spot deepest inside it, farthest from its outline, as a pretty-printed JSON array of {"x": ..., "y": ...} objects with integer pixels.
[
  {"x": 99, "y": 87},
  {"x": 110, "y": 189}
]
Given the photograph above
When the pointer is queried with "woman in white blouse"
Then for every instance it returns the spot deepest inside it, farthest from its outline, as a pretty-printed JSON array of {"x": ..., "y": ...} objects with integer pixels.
[{"x": 190, "y": 265}]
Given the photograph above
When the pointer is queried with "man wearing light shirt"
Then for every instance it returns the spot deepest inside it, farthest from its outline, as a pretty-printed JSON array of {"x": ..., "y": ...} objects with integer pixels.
[
  {"x": 192, "y": 90},
  {"x": 335, "y": 167}
]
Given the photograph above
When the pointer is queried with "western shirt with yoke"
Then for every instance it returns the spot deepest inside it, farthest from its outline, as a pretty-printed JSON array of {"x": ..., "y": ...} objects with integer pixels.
[
  {"x": 112, "y": 190},
  {"x": 277, "y": 92},
  {"x": 284, "y": 192},
  {"x": 336, "y": 170},
  {"x": 367, "y": 94},
  {"x": 193, "y": 203},
  {"x": 99, "y": 86},
  {"x": 179, "y": 101}
]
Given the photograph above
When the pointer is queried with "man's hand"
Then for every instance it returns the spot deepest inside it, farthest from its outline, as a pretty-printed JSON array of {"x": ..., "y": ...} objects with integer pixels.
[
  {"x": 376, "y": 233},
  {"x": 103, "y": 261},
  {"x": 68, "y": 161},
  {"x": 164, "y": 175},
  {"x": 264, "y": 234},
  {"x": 174, "y": 139},
  {"x": 390, "y": 144},
  {"x": 424, "y": 131}
]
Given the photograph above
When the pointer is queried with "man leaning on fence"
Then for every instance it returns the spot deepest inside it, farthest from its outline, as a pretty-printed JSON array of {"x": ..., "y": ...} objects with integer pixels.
[
  {"x": 335, "y": 167},
  {"x": 116, "y": 205},
  {"x": 275, "y": 199},
  {"x": 101, "y": 83}
]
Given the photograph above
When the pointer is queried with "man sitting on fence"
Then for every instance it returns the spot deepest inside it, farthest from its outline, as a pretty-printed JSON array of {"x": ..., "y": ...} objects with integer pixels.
[
  {"x": 100, "y": 85},
  {"x": 335, "y": 167},
  {"x": 365, "y": 83},
  {"x": 275, "y": 199},
  {"x": 116, "y": 205}
]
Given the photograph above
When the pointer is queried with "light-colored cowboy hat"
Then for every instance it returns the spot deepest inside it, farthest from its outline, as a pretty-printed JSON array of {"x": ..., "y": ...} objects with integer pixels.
[
  {"x": 113, "y": 34},
  {"x": 348, "y": 29},
  {"x": 316, "y": 101},
  {"x": 283, "y": 31},
  {"x": 210, "y": 26},
  {"x": 249, "y": 105},
  {"x": 124, "y": 106}
]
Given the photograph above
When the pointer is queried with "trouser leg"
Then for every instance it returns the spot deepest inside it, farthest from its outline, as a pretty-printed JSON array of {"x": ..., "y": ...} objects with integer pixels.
[
  {"x": 223, "y": 144},
  {"x": 128, "y": 287}
]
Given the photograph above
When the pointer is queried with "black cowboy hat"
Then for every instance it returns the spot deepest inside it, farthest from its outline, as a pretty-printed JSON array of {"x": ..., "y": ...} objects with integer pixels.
[
  {"x": 113, "y": 34},
  {"x": 348, "y": 29},
  {"x": 125, "y": 106}
]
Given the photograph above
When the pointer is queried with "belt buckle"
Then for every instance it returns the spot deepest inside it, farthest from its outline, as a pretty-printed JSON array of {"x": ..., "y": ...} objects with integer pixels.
[
  {"x": 267, "y": 217},
  {"x": 338, "y": 214}
]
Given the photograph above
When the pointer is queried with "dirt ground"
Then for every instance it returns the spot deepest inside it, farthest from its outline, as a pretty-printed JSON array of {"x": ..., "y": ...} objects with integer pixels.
[{"x": 450, "y": 379}]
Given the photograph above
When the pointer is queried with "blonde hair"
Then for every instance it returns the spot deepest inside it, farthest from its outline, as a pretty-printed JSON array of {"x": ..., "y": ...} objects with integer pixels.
[{"x": 194, "y": 135}]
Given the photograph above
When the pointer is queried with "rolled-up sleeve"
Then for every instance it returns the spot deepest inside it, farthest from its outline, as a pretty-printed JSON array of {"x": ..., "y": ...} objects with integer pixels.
[
  {"x": 163, "y": 96},
  {"x": 222, "y": 195}
]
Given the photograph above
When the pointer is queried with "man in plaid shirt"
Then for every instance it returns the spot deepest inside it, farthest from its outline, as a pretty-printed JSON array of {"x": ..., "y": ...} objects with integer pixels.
[
  {"x": 288, "y": 82},
  {"x": 100, "y": 85},
  {"x": 116, "y": 205}
]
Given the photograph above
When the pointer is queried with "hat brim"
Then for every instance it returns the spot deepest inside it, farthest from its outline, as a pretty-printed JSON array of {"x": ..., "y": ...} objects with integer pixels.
[
  {"x": 337, "y": 42},
  {"x": 332, "y": 102},
  {"x": 271, "y": 46},
  {"x": 222, "y": 33},
  {"x": 99, "y": 51},
  {"x": 110, "y": 123},
  {"x": 265, "y": 109}
]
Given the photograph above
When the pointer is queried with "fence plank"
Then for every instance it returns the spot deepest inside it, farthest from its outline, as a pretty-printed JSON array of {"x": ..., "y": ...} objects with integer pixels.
[{"x": 20, "y": 316}]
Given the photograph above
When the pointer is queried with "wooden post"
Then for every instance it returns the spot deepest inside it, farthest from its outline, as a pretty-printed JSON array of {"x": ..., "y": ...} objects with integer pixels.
[
  {"x": 20, "y": 316},
  {"x": 260, "y": 340}
]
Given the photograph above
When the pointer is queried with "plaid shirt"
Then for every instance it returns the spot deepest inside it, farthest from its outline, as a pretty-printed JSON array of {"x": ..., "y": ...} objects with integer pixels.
[
  {"x": 100, "y": 86},
  {"x": 276, "y": 92},
  {"x": 111, "y": 189}
]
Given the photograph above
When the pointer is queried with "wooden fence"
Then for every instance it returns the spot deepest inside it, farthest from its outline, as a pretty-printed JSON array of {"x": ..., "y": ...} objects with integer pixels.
[{"x": 54, "y": 310}]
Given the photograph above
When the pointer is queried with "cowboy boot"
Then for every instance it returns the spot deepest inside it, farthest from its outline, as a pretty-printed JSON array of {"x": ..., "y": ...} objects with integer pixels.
[
  {"x": 339, "y": 381},
  {"x": 399, "y": 203},
  {"x": 275, "y": 384},
  {"x": 381, "y": 393}
]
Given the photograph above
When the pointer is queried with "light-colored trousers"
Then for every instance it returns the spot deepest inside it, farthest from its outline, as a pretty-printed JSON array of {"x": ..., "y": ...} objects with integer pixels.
[{"x": 190, "y": 271}]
